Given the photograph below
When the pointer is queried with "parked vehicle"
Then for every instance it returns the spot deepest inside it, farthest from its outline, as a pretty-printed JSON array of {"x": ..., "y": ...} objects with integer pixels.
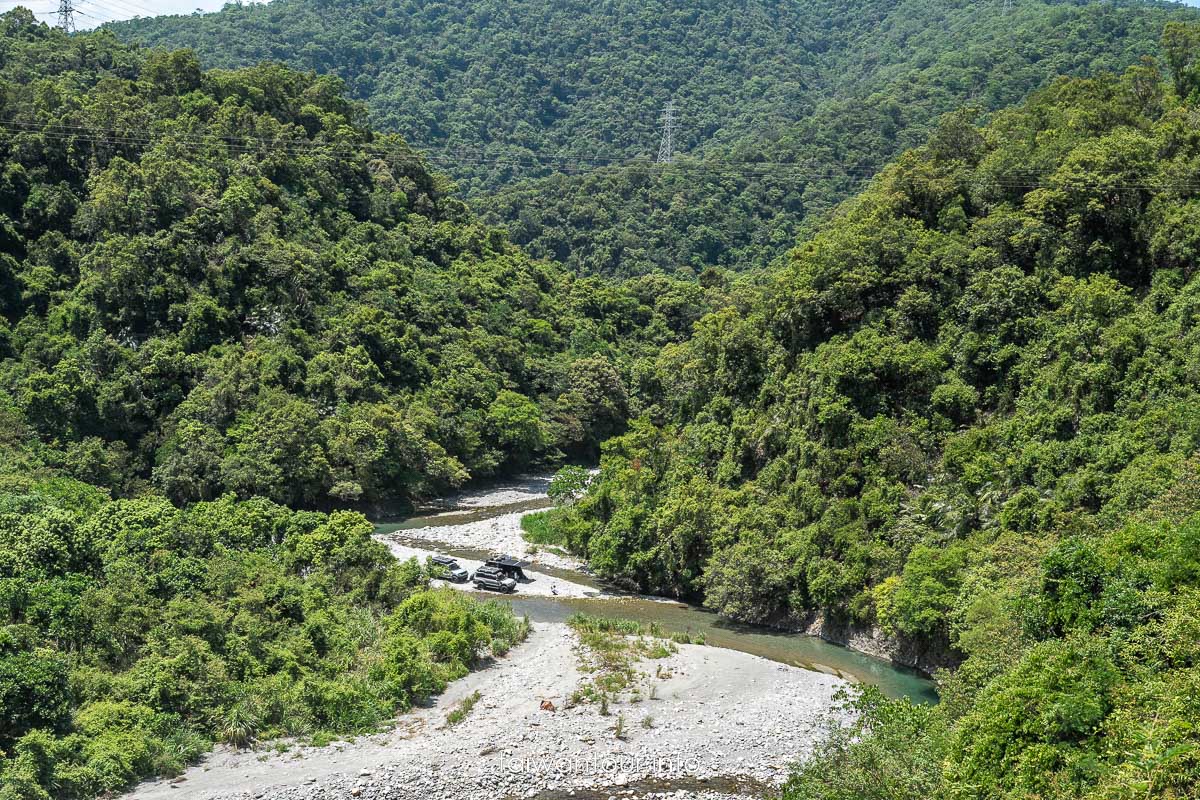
[
  {"x": 454, "y": 572},
  {"x": 511, "y": 567},
  {"x": 494, "y": 580}
]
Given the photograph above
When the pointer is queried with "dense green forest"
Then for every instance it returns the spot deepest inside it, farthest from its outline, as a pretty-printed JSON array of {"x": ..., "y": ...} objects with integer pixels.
[
  {"x": 962, "y": 411},
  {"x": 133, "y": 634},
  {"x": 786, "y": 108},
  {"x": 739, "y": 202},
  {"x": 965, "y": 412},
  {"x": 500, "y": 89},
  {"x": 223, "y": 281}
]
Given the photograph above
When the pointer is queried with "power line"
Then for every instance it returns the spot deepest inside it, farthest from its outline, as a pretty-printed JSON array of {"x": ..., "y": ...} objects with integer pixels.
[
  {"x": 122, "y": 8},
  {"x": 99, "y": 12},
  {"x": 135, "y": 6},
  {"x": 94, "y": 13},
  {"x": 1015, "y": 179}
]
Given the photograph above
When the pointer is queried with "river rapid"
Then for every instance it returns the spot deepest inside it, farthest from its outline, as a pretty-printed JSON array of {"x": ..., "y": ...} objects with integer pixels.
[{"x": 473, "y": 524}]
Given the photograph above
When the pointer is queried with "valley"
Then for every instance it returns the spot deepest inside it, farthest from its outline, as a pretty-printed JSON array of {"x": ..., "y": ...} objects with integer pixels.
[
  {"x": 876, "y": 322},
  {"x": 769, "y": 682},
  {"x": 491, "y": 525}
]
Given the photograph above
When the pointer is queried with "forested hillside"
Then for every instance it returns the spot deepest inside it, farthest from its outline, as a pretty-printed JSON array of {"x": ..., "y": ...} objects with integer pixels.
[
  {"x": 504, "y": 89},
  {"x": 223, "y": 281},
  {"x": 964, "y": 412},
  {"x": 133, "y": 634},
  {"x": 739, "y": 201},
  {"x": 786, "y": 108}
]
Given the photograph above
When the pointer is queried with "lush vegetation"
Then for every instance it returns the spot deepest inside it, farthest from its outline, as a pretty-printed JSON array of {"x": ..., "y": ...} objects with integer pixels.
[
  {"x": 507, "y": 88},
  {"x": 221, "y": 291},
  {"x": 786, "y": 108},
  {"x": 223, "y": 281},
  {"x": 134, "y": 634},
  {"x": 881, "y": 750},
  {"x": 740, "y": 201},
  {"x": 1081, "y": 682},
  {"x": 536, "y": 529},
  {"x": 964, "y": 412}
]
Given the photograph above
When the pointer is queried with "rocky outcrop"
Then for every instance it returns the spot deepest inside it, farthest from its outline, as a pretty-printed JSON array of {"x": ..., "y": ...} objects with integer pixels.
[{"x": 871, "y": 640}]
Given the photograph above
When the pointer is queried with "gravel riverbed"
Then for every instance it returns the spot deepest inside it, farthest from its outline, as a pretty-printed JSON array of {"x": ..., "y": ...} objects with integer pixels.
[
  {"x": 539, "y": 585},
  {"x": 501, "y": 533},
  {"x": 706, "y": 724},
  {"x": 501, "y": 530},
  {"x": 718, "y": 723},
  {"x": 517, "y": 490}
]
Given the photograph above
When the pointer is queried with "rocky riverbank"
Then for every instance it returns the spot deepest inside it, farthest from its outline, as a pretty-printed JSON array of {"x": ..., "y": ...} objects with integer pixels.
[
  {"x": 716, "y": 723},
  {"x": 501, "y": 533},
  {"x": 872, "y": 641},
  {"x": 522, "y": 489}
]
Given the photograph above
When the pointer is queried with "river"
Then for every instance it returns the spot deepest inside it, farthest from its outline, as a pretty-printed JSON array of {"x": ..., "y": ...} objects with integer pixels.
[{"x": 440, "y": 531}]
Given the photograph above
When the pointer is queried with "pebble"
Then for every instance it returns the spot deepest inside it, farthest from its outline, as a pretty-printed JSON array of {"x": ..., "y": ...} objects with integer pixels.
[{"x": 754, "y": 731}]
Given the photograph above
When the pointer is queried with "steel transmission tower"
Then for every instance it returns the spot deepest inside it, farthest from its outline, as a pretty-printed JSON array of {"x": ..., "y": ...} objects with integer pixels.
[
  {"x": 66, "y": 15},
  {"x": 666, "y": 148}
]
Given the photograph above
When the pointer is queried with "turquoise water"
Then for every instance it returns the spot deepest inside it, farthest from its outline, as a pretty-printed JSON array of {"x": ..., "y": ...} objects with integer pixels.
[{"x": 796, "y": 649}]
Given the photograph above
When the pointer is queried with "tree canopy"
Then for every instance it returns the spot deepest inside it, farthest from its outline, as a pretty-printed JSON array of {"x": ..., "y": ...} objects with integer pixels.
[
  {"x": 225, "y": 281},
  {"x": 536, "y": 107},
  {"x": 962, "y": 413},
  {"x": 134, "y": 634}
]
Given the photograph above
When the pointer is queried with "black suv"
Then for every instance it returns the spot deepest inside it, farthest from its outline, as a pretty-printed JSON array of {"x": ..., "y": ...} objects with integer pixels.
[{"x": 509, "y": 566}]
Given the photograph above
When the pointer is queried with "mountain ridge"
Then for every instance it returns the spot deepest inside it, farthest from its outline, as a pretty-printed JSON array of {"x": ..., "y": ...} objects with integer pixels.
[{"x": 785, "y": 112}]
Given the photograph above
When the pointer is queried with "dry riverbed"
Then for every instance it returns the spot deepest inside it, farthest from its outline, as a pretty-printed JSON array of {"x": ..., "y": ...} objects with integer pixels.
[
  {"x": 540, "y": 585},
  {"x": 501, "y": 533},
  {"x": 708, "y": 723},
  {"x": 497, "y": 532},
  {"x": 519, "y": 490},
  {"x": 687, "y": 721}
]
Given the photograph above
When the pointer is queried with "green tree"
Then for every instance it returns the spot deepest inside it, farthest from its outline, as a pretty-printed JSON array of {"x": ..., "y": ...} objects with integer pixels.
[
  {"x": 568, "y": 484},
  {"x": 888, "y": 750},
  {"x": 516, "y": 423}
]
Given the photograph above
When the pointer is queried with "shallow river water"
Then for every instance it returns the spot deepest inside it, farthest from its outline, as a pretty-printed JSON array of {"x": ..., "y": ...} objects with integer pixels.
[{"x": 790, "y": 648}]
